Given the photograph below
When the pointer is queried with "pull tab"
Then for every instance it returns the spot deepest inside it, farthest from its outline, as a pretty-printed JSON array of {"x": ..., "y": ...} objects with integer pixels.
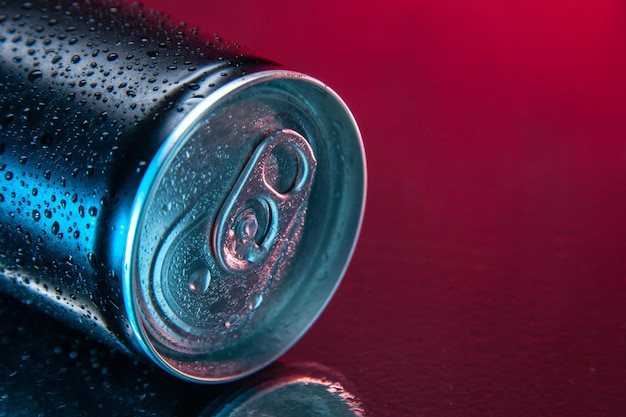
[{"x": 265, "y": 202}]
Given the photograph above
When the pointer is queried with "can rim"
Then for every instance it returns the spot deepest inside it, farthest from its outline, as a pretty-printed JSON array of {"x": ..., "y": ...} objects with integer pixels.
[{"x": 141, "y": 338}]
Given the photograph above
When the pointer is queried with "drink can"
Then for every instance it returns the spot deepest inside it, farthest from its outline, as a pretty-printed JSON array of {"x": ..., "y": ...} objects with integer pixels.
[{"x": 167, "y": 192}]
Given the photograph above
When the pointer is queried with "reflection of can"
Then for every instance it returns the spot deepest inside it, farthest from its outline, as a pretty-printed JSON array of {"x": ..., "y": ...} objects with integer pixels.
[
  {"x": 304, "y": 389},
  {"x": 168, "y": 193}
]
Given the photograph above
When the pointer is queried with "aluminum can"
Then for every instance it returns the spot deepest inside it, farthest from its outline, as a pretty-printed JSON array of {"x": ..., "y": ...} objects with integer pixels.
[{"x": 166, "y": 192}]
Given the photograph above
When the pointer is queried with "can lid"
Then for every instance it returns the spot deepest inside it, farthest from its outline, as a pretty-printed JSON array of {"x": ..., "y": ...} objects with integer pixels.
[{"x": 243, "y": 226}]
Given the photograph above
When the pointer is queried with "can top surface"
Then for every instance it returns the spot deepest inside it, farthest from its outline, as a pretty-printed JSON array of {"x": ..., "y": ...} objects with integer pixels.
[{"x": 243, "y": 225}]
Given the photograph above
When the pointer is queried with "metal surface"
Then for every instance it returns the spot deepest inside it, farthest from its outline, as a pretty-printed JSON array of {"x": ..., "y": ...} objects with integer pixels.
[
  {"x": 489, "y": 276},
  {"x": 266, "y": 203},
  {"x": 60, "y": 372},
  {"x": 87, "y": 101},
  {"x": 123, "y": 137},
  {"x": 206, "y": 302}
]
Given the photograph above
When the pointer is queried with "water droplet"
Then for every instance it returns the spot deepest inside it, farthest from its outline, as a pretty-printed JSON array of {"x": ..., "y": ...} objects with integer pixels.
[
  {"x": 36, "y": 216},
  {"x": 75, "y": 59},
  {"x": 45, "y": 140},
  {"x": 141, "y": 166},
  {"x": 8, "y": 175},
  {"x": 5, "y": 122},
  {"x": 92, "y": 211},
  {"x": 200, "y": 279},
  {"x": 55, "y": 228},
  {"x": 34, "y": 75},
  {"x": 91, "y": 257},
  {"x": 256, "y": 301},
  {"x": 112, "y": 56},
  {"x": 231, "y": 320}
]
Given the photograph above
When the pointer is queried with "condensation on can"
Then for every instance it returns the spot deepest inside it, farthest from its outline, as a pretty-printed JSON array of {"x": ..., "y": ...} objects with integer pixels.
[{"x": 166, "y": 192}]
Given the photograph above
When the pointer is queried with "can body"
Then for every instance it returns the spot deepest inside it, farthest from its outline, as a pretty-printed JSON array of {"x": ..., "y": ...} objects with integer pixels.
[{"x": 158, "y": 189}]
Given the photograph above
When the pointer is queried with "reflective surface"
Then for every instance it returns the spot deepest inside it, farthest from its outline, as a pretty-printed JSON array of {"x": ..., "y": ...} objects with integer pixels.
[
  {"x": 243, "y": 226},
  {"x": 298, "y": 389},
  {"x": 211, "y": 230},
  {"x": 490, "y": 276},
  {"x": 60, "y": 372}
]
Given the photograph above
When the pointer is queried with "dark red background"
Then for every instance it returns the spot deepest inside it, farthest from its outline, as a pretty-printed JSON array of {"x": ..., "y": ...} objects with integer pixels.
[{"x": 490, "y": 277}]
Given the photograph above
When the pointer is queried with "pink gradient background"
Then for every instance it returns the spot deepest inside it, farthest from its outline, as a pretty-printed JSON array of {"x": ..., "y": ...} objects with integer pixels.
[{"x": 490, "y": 277}]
